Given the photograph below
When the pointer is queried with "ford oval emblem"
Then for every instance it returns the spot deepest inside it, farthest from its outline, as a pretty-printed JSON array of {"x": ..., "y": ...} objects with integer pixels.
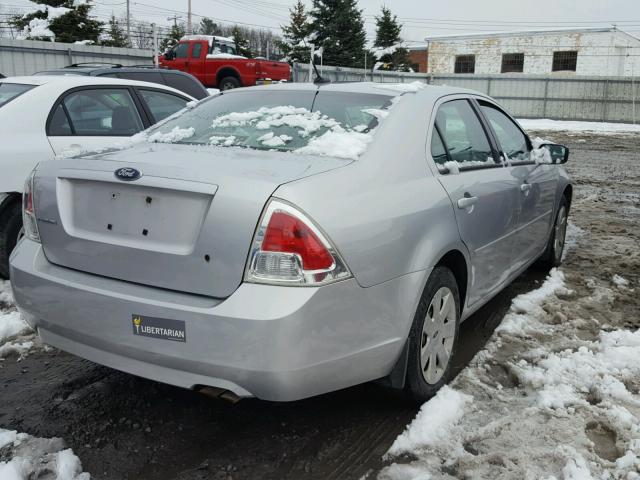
[{"x": 127, "y": 174}]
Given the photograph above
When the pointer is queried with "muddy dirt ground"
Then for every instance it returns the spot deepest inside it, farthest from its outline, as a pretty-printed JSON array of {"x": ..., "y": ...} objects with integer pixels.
[{"x": 123, "y": 427}]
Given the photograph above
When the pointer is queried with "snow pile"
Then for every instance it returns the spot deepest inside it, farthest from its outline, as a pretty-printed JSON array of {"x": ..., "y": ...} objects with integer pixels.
[
  {"x": 224, "y": 141},
  {"x": 434, "y": 424},
  {"x": 11, "y": 325},
  {"x": 403, "y": 87},
  {"x": 175, "y": 135},
  {"x": 26, "y": 457},
  {"x": 224, "y": 56},
  {"x": 37, "y": 28},
  {"x": 570, "y": 126},
  {"x": 566, "y": 378},
  {"x": 619, "y": 281},
  {"x": 525, "y": 307},
  {"x": 272, "y": 140},
  {"x": 6, "y": 296},
  {"x": 338, "y": 143}
]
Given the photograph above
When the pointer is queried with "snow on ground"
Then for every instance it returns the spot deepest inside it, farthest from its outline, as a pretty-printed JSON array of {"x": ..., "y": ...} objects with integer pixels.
[
  {"x": 554, "y": 394},
  {"x": 570, "y": 126},
  {"x": 16, "y": 337},
  {"x": 25, "y": 457}
]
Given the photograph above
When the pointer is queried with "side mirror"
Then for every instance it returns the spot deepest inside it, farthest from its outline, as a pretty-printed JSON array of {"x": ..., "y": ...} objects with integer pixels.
[
  {"x": 169, "y": 55},
  {"x": 554, "y": 153}
]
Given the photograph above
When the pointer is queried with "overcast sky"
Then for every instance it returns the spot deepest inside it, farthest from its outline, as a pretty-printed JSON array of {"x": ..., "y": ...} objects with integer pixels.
[{"x": 420, "y": 17}]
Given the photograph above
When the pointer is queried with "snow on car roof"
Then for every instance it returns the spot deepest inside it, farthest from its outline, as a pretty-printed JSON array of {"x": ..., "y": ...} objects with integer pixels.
[{"x": 208, "y": 38}]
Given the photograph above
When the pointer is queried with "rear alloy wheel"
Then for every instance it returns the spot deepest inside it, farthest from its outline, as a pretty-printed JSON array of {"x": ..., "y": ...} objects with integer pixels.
[
  {"x": 434, "y": 335},
  {"x": 227, "y": 83},
  {"x": 10, "y": 233},
  {"x": 552, "y": 256}
]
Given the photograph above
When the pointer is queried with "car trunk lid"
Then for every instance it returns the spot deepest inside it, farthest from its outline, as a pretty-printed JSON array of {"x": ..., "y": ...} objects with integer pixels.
[{"x": 186, "y": 224}]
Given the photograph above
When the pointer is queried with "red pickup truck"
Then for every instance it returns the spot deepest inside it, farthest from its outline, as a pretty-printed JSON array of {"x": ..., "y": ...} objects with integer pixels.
[{"x": 213, "y": 61}]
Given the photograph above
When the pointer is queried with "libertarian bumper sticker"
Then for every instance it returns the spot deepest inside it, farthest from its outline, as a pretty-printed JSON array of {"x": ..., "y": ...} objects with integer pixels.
[{"x": 163, "y": 328}]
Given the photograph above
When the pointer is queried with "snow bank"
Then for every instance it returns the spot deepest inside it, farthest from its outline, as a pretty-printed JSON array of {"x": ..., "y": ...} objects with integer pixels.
[
  {"x": 569, "y": 126},
  {"x": 6, "y": 296},
  {"x": 27, "y": 457},
  {"x": 434, "y": 423}
]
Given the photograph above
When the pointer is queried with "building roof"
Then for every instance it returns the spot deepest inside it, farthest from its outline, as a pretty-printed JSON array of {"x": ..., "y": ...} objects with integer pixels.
[{"x": 520, "y": 33}]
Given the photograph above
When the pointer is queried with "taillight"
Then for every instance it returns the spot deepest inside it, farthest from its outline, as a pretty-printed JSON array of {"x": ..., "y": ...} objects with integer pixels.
[
  {"x": 28, "y": 210},
  {"x": 289, "y": 249}
]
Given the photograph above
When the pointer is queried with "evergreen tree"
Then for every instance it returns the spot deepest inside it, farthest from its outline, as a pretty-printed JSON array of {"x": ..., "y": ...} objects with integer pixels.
[
  {"x": 241, "y": 41},
  {"x": 175, "y": 34},
  {"x": 387, "y": 37},
  {"x": 115, "y": 35},
  {"x": 71, "y": 26},
  {"x": 295, "y": 33},
  {"x": 339, "y": 29},
  {"x": 208, "y": 27}
]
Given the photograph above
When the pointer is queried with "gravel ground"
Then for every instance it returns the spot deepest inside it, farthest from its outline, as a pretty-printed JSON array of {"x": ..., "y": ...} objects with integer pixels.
[{"x": 126, "y": 427}]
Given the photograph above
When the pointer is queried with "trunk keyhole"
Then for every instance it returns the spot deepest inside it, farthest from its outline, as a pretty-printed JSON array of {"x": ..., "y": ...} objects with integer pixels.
[
  {"x": 109, "y": 226},
  {"x": 148, "y": 200},
  {"x": 207, "y": 258},
  {"x": 145, "y": 232}
]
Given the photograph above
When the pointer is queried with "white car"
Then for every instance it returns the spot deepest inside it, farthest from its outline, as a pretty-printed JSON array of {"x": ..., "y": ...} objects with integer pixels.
[{"x": 45, "y": 116}]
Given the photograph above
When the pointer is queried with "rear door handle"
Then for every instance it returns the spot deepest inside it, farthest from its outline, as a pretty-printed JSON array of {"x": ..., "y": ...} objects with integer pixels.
[
  {"x": 525, "y": 187},
  {"x": 467, "y": 201}
]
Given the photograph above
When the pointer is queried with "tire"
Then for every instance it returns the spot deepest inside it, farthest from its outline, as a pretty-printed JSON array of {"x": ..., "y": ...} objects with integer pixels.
[
  {"x": 427, "y": 368},
  {"x": 10, "y": 227},
  {"x": 227, "y": 83},
  {"x": 552, "y": 256}
]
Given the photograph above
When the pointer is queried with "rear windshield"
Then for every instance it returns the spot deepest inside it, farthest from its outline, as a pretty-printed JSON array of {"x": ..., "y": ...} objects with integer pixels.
[
  {"x": 329, "y": 123},
  {"x": 9, "y": 91}
]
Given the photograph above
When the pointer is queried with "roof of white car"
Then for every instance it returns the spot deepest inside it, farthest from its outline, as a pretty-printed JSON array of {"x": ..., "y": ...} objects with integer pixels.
[{"x": 71, "y": 81}]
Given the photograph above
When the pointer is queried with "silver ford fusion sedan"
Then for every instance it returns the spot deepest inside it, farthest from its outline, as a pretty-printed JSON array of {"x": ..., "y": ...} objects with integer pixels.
[{"x": 290, "y": 240}]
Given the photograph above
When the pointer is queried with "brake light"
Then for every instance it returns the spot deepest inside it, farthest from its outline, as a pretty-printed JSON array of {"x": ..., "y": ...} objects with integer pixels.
[
  {"x": 289, "y": 249},
  {"x": 28, "y": 211}
]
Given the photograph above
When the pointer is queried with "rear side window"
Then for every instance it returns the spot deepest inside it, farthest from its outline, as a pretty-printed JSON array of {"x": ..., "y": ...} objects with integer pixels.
[
  {"x": 438, "y": 151},
  {"x": 9, "y": 91},
  {"x": 98, "y": 112},
  {"x": 186, "y": 84},
  {"x": 512, "y": 141},
  {"x": 162, "y": 104},
  {"x": 463, "y": 136},
  {"x": 59, "y": 124}
]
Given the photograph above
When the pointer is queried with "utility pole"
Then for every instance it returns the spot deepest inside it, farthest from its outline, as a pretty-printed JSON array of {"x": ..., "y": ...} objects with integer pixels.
[
  {"x": 189, "y": 30},
  {"x": 155, "y": 44},
  {"x": 128, "y": 24}
]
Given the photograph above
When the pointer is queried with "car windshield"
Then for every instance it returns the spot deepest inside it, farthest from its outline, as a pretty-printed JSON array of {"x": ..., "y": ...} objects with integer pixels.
[
  {"x": 329, "y": 123},
  {"x": 9, "y": 91}
]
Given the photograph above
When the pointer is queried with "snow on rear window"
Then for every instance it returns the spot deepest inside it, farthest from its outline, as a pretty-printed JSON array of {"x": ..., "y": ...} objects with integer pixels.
[{"x": 332, "y": 123}]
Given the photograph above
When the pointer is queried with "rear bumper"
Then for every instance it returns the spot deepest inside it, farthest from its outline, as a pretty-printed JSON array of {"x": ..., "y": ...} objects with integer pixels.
[{"x": 275, "y": 343}]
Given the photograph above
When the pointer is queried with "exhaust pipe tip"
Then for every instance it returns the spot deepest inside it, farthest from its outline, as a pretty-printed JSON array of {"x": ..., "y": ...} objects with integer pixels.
[{"x": 219, "y": 393}]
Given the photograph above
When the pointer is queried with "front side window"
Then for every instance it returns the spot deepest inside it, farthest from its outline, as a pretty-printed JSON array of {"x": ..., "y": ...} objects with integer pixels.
[
  {"x": 512, "y": 141},
  {"x": 565, "y": 61},
  {"x": 463, "y": 136},
  {"x": 102, "y": 112},
  {"x": 465, "y": 64},
  {"x": 332, "y": 123},
  {"x": 196, "y": 50},
  {"x": 9, "y": 91},
  {"x": 162, "y": 104},
  {"x": 182, "y": 50}
]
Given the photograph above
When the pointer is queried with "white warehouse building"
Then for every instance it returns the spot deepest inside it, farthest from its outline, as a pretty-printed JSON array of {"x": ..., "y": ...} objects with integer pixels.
[{"x": 587, "y": 51}]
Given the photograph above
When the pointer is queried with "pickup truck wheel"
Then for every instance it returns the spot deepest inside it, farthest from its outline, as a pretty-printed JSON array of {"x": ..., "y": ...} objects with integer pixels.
[
  {"x": 433, "y": 339},
  {"x": 10, "y": 227},
  {"x": 227, "y": 83}
]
